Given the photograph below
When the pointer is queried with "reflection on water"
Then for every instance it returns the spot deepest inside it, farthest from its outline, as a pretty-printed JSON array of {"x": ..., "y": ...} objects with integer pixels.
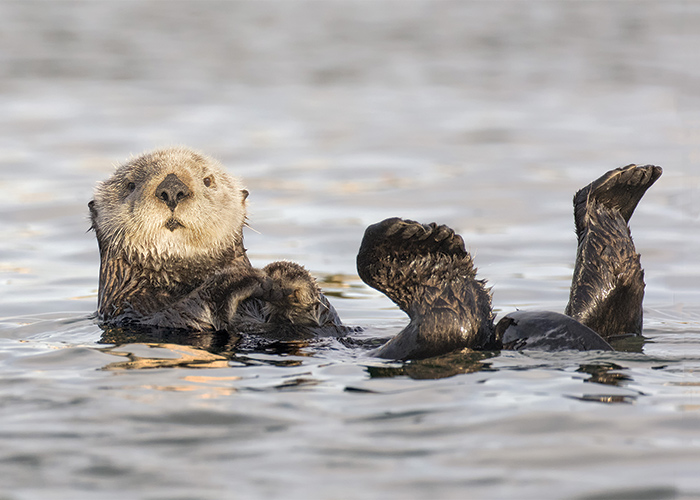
[
  {"x": 448, "y": 365},
  {"x": 214, "y": 342},
  {"x": 597, "y": 398},
  {"x": 165, "y": 348},
  {"x": 608, "y": 374},
  {"x": 175, "y": 356},
  {"x": 628, "y": 343},
  {"x": 605, "y": 373},
  {"x": 193, "y": 354}
]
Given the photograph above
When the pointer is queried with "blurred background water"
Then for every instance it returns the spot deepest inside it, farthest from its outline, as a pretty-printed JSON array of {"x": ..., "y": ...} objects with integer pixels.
[{"x": 486, "y": 116}]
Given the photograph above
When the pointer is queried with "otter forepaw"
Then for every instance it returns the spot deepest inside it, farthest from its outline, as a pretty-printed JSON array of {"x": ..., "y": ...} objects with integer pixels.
[
  {"x": 296, "y": 298},
  {"x": 271, "y": 291},
  {"x": 292, "y": 284}
]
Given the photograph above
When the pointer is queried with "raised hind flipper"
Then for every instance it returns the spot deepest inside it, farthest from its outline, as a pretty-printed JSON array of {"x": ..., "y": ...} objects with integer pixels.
[
  {"x": 427, "y": 272},
  {"x": 607, "y": 288}
]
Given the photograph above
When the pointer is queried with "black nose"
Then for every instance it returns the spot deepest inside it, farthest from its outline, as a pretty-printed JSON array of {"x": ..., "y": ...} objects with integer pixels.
[{"x": 172, "y": 191}]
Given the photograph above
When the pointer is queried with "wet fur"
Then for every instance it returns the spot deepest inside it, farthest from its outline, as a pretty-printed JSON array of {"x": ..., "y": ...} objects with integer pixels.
[
  {"x": 607, "y": 288},
  {"x": 169, "y": 229},
  {"x": 427, "y": 272},
  {"x": 181, "y": 264}
]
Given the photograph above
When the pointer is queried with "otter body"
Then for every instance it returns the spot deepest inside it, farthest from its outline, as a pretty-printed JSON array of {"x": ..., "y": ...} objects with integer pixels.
[{"x": 169, "y": 229}]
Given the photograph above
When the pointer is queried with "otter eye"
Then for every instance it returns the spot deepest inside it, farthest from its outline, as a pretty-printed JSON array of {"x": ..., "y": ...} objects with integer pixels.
[
  {"x": 131, "y": 186},
  {"x": 207, "y": 181}
]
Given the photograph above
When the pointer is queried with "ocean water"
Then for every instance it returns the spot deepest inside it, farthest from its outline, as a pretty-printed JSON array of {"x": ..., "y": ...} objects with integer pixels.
[{"x": 486, "y": 116}]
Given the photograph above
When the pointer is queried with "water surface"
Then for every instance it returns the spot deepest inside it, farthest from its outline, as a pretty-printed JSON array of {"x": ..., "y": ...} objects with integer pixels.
[{"x": 486, "y": 116}]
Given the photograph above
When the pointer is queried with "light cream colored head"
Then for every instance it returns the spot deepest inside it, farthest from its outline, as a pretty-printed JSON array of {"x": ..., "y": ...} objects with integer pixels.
[{"x": 169, "y": 203}]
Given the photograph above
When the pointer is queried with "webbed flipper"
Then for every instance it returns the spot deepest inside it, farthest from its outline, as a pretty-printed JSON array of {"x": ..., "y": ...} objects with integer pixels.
[
  {"x": 426, "y": 271},
  {"x": 607, "y": 288}
]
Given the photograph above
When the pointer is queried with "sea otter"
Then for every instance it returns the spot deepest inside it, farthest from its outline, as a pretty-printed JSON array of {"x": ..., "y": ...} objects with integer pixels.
[{"x": 169, "y": 226}]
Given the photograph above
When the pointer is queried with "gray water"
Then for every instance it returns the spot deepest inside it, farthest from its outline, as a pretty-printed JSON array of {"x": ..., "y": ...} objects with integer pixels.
[{"x": 486, "y": 116}]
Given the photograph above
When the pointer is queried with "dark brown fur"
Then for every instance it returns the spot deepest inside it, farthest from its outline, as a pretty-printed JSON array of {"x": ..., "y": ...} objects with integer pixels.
[
  {"x": 607, "y": 288},
  {"x": 427, "y": 272},
  {"x": 169, "y": 228}
]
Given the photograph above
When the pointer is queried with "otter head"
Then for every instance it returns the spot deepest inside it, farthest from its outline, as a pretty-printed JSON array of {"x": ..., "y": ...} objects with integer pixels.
[{"x": 169, "y": 204}]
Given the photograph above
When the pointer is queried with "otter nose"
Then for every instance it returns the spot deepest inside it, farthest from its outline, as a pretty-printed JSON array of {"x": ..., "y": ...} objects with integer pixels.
[{"x": 172, "y": 191}]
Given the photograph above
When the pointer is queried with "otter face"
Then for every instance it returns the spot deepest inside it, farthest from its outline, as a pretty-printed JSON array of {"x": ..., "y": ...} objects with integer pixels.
[{"x": 169, "y": 203}]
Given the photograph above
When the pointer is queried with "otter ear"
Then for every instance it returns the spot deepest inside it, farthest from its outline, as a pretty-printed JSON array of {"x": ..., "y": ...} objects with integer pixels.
[
  {"x": 93, "y": 213},
  {"x": 245, "y": 194}
]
